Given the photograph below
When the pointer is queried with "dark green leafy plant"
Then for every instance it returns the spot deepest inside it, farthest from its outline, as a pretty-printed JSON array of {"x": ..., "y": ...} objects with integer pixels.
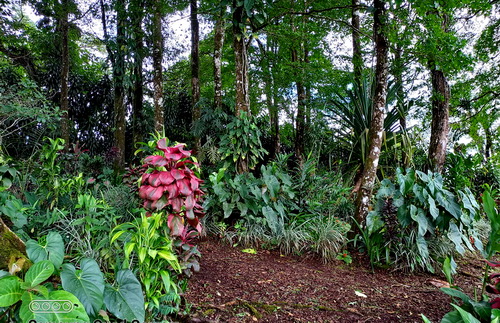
[
  {"x": 425, "y": 208},
  {"x": 241, "y": 143}
]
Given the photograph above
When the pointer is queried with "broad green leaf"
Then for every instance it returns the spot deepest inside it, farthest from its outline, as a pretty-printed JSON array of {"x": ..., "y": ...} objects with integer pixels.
[
  {"x": 455, "y": 235},
  {"x": 425, "y": 319},
  {"x": 39, "y": 273},
  {"x": 422, "y": 247},
  {"x": 452, "y": 317},
  {"x": 483, "y": 309},
  {"x": 432, "y": 208},
  {"x": 466, "y": 316},
  {"x": 456, "y": 293},
  {"x": 125, "y": 299},
  {"x": 52, "y": 249},
  {"x": 10, "y": 291},
  {"x": 87, "y": 284},
  {"x": 59, "y": 306}
]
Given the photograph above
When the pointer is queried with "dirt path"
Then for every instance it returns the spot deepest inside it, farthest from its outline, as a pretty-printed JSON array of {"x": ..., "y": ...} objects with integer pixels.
[{"x": 233, "y": 286}]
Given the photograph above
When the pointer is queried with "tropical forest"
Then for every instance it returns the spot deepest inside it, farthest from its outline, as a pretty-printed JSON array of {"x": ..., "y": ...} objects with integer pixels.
[{"x": 250, "y": 161}]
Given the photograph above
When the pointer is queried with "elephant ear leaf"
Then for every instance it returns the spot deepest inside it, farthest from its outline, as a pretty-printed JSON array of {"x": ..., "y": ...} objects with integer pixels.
[
  {"x": 87, "y": 284},
  {"x": 39, "y": 272},
  {"x": 52, "y": 249},
  {"x": 125, "y": 299},
  {"x": 59, "y": 306}
]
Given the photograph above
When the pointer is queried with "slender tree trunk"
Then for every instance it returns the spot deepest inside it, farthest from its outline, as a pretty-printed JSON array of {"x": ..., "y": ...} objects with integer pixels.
[
  {"x": 119, "y": 91},
  {"x": 300, "y": 120},
  {"x": 218, "y": 46},
  {"x": 241, "y": 62},
  {"x": 377, "y": 124},
  {"x": 138, "y": 89},
  {"x": 65, "y": 131},
  {"x": 489, "y": 143},
  {"x": 195, "y": 69},
  {"x": 357, "y": 57},
  {"x": 158, "y": 67},
  {"x": 440, "y": 119},
  {"x": 398, "y": 77}
]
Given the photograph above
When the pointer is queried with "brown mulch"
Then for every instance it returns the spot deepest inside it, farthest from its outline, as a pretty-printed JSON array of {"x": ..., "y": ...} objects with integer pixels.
[{"x": 233, "y": 286}]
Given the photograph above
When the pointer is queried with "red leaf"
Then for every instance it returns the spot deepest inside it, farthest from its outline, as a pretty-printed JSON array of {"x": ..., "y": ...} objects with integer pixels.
[
  {"x": 495, "y": 303},
  {"x": 189, "y": 202},
  {"x": 166, "y": 178},
  {"x": 195, "y": 183},
  {"x": 177, "y": 174},
  {"x": 156, "y": 160},
  {"x": 154, "y": 179},
  {"x": 195, "y": 223},
  {"x": 183, "y": 186},
  {"x": 493, "y": 263},
  {"x": 172, "y": 190},
  {"x": 155, "y": 193},
  {"x": 492, "y": 290},
  {"x": 143, "y": 191},
  {"x": 160, "y": 203},
  {"x": 176, "y": 204},
  {"x": 190, "y": 214},
  {"x": 173, "y": 157},
  {"x": 176, "y": 225},
  {"x": 162, "y": 144},
  {"x": 144, "y": 178}
]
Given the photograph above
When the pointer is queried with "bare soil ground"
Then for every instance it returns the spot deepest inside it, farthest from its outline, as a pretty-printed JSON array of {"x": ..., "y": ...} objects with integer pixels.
[{"x": 233, "y": 286}]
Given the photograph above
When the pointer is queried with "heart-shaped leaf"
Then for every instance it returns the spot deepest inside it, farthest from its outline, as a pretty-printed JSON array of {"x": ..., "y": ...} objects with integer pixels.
[
  {"x": 52, "y": 249},
  {"x": 125, "y": 299}
]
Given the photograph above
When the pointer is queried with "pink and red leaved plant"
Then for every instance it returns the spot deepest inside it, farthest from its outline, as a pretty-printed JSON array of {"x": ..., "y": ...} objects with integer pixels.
[
  {"x": 494, "y": 288},
  {"x": 170, "y": 184}
]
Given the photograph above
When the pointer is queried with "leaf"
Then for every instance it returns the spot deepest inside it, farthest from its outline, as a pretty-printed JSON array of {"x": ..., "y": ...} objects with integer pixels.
[
  {"x": 425, "y": 319},
  {"x": 125, "y": 299},
  {"x": 39, "y": 273},
  {"x": 466, "y": 316},
  {"x": 452, "y": 317},
  {"x": 250, "y": 250},
  {"x": 456, "y": 293},
  {"x": 59, "y": 306},
  {"x": 10, "y": 291},
  {"x": 432, "y": 208},
  {"x": 52, "y": 250},
  {"x": 455, "y": 235},
  {"x": 87, "y": 284}
]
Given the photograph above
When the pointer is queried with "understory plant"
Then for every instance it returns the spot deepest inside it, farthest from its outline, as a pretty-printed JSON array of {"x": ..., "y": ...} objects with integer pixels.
[
  {"x": 54, "y": 291},
  {"x": 411, "y": 212},
  {"x": 482, "y": 308}
]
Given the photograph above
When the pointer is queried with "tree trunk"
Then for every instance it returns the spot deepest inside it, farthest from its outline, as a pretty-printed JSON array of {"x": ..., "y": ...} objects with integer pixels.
[
  {"x": 138, "y": 89},
  {"x": 398, "y": 77},
  {"x": 440, "y": 119},
  {"x": 218, "y": 46},
  {"x": 195, "y": 69},
  {"x": 65, "y": 131},
  {"x": 300, "y": 120},
  {"x": 377, "y": 124},
  {"x": 158, "y": 67},
  {"x": 357, "y": 57},
  {"x": 489, "y": 143},
  {"x": 12, "y": 250},
  {"x": 240, "y": 62},
  {"x": 119, "y": 91}
]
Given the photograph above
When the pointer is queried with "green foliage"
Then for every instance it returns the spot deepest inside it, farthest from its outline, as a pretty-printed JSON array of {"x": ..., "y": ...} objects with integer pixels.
[
  {"x": 419, "y": 207},
  {"x": 49, "y": 247},
  {"x": 124, "y": 298},
  {"x": 148, "y": 239},
  {"x": 241, "y": 142}
]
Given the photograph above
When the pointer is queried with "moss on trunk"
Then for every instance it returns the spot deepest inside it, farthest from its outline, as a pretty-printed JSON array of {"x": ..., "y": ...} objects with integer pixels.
[{"x": 12, "y": 248}]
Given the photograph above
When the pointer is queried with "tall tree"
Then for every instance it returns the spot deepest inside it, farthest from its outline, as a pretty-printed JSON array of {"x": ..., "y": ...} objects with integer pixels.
[
  {"x": 64, "y": 29},
  {"x": 218, "y": 46},
  {"x": 195, "y": 68},
  {"x": 377, "y": 124},
  {"x": 357, "y": 58},
  {"x": 119, "y": 86},
  {"x": 157, "y": 39},
  {"x": 240, "y": 59},
  {"x": 137, "y": 8}
]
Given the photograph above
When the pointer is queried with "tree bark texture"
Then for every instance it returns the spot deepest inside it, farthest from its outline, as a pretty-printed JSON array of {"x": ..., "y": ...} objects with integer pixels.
[
  {"x": 64, "y": 25},
  {"x": 300, "y": 120},
  {"x": 158, "y": 67},
  {"x": 195, "y": 69},
  {"x": 398, "y": 78},
  {"x": 357, "y": 57},
  {"x": 138, "y": 89},
  {"x": 440, "y": 119},
  {"x": 377, "y": 124},
  {"x": 119, "y": 91},
  {"x": 12, "y": 250},
  {"x": 240, "y": 62},
  {"x": 218, "y": 46}
]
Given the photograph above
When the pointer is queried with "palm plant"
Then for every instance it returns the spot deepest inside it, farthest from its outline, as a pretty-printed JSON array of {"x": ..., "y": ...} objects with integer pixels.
[{"x": 351, "y": 116}]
